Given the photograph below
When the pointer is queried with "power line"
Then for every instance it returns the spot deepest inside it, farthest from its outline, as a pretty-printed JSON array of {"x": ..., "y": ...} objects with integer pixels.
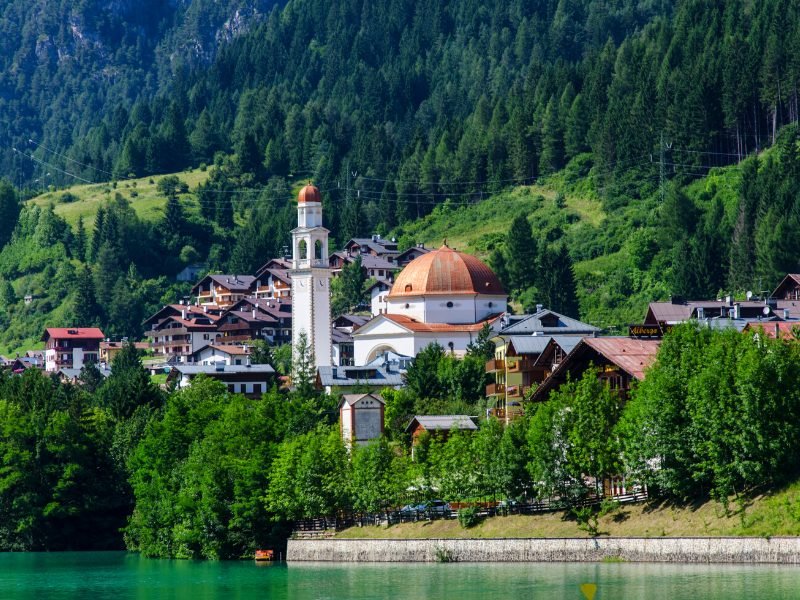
[
  {"x": 50, "y": 166},
  {"x": 65, "y": 157}
]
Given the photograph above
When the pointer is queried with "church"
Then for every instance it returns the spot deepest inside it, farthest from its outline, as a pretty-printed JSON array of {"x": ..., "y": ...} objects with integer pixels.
[{"x": 442, "y": 296}]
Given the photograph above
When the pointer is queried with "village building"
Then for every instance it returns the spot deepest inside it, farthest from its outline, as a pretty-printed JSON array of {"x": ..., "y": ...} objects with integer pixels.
[
  {"x": 619, "y": 360},
  {"x": 109, "y": 349},
  {"x": 175, "y": 338},
  {"x": 439, "y": 426},
  {"x": 375, "y": 376},
  {"x": 342, "y": 338},
  {"x": 780, "y": 330},
  {"x": 250, "y": 380},
  {"x": 258, "y": 318},
  {"x": 214, "y": 354},
  {"x": 361, "y": 418},
  {"x": 406, "y": 256},
  {"x": 191, "y": 272},
  {"x": 444, "y": 296},
  {"x": 223, "y": 290},
  {"x": 273, "y": 280},
  {"x": 311, "y": 278},
  {"x": 67, "y": 347},
  {"x": 378, "y": 292},
  {"x": 73, "y": 376}
]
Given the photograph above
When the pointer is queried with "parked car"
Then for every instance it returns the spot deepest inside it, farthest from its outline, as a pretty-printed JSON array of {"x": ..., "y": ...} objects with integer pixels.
[
  {"x": 412, "y": 509},
  {"x": 437, "y": 507}
]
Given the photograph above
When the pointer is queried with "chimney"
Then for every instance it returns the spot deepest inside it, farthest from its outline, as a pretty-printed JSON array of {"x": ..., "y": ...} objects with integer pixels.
[
  {"x": 736, "y": 311},
  {"x": 785, "y": 314},
  {"x": 539, "y": 308},
  {"x": 254, "y": 314},
  {"x": 183, "y": 314},
  {"x": 701, "y": 313}
]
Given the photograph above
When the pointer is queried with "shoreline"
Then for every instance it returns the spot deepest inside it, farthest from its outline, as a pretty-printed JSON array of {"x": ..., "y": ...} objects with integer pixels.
[{"x": 702, "y": 550}]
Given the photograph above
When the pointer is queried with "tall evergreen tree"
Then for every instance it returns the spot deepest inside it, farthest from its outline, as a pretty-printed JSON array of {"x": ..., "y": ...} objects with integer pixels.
[{"x": 521, "y": 254}]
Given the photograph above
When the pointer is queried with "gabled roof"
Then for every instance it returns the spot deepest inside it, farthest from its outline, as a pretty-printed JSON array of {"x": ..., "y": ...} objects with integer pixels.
[
  {"x": 442, "y": 423},
  {"x": 234, "y": 283},
  {"x": 629, "y": 354},
  {"x": 73, "y": 333},
  {"x": 72, "y": 374},
  {"x": 784, "y": 330},
  {"x": 196, "y": 322},
  {"x": 351, "y": 399},
  {"x": 229, "y": 349},
  {"x": 354, "y": 321},
  {"x": 549, "y": 322},
  {"x": 378, "y": 245},
  {"x": 212, "y": 370},
  {"x": 416, "y": 250},
  {"x": 274, "y": 263},
  {"x": 177, "y": 309},
  {"x": 791, "y": 280},
  {"x": 529, "y": 344}
]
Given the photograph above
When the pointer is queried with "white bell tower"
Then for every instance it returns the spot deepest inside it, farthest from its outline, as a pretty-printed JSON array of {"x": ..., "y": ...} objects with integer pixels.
[{"x": 311, "y": 278}]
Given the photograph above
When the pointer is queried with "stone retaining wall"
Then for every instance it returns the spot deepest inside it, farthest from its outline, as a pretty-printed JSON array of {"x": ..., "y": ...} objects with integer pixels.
[{"x": 785, "y": 550}]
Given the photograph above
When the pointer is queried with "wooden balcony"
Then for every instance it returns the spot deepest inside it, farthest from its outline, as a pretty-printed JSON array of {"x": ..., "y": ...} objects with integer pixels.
[
  {"x": 519, "y": 365},
  {"x": 496, "y": 364},
  {"x": 517, "y": 391},
  {"x": 495, "y": 389}
]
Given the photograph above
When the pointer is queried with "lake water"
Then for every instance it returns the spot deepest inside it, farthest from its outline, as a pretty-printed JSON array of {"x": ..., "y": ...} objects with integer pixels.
[{"x": 118, "y": 576}]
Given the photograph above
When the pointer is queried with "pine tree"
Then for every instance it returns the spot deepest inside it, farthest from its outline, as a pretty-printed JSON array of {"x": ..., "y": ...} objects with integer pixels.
[
  {"x": 80, "y": 241},
  {"x": 84, "y": 308},
  {"x": 521, "y": 254},
  {"x": 9, "y": 211},
  {"x": 304, "y": 372},
  {"x": 552, "y": 158},
  {"x": 97, "y": 236}
]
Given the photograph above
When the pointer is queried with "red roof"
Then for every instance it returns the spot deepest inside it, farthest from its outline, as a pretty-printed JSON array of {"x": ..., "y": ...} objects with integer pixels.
[
  {"x": 73, "y": 333},
  {"x": 775, "y": 329},
  {"x": 420, "y": 327},
  {"x": 630, "y": 355}
]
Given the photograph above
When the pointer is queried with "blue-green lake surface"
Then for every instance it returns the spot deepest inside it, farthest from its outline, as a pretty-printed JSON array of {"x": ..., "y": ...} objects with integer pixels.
[{"x": 118, "y": 576}]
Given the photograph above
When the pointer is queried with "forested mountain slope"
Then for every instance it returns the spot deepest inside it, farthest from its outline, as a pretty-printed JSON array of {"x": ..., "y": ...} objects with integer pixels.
[{"x": 614, "y": 111}]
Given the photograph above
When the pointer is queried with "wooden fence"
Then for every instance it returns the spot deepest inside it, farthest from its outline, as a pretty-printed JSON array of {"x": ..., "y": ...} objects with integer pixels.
[{"x": 327, "y": 526}]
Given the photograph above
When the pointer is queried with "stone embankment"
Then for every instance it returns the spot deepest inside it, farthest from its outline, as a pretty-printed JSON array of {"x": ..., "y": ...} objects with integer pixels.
[{"x": 781, "y": 550}]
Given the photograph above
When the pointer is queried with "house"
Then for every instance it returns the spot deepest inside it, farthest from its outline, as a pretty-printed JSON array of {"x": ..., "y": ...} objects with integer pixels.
[
  {"x": 547, "y": 322},
  {"x": 678, "y": 310},
  {"x": 342, "y": 338},
  {"x": 73, "y": 376},
  {"x": 261, "y": 318},
  {"x": 375, "y": 376},
  {"x": 71, "y": 347},
  {"x": 782, "y": 330},
  {"x": 176, "y": 338},
  {"x": 373, "y": 267},
  {"x": 191, "y": 272},
  {"x": 18, "y": 365},
  {"x": 522, "y": 362},
  {"x": 620, "y": 360},
  {"x": 361, "y": 418},
  {"x": 250, "y": 380},
  {"x": 439, "y": 426},
  {"x": 410, "y": 254},
  {"x": 223, "y": 290},
  {"x": 373, "y": 246},
  {"x": 273, "y": 279},
  {"x": 377, "y": 296},
  {"x": 109, "y": 349},
  {"x": 788, "y": 288},
  {"x": 214, "y": 354}
]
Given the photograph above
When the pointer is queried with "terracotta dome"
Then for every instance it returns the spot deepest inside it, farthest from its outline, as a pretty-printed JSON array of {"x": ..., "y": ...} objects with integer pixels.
[
  {"x": 446, "y": 271},
  {"x": 309, "y": 193}
]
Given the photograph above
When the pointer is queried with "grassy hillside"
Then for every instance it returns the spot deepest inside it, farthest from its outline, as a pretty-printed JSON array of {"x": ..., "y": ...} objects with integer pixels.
[
  {"x": 769, "y": 515},
  {"x": 84, "y": 200}
]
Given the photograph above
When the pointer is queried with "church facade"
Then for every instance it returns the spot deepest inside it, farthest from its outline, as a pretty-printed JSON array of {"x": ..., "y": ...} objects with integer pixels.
[{"x": 443, "y": 296}]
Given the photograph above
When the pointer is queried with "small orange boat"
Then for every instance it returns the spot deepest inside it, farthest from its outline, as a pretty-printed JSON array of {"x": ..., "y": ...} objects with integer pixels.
[{"x": 265, "y": 555}]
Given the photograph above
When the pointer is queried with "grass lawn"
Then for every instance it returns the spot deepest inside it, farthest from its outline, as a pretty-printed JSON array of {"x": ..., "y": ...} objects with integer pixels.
[
  {"x": 147, "y": 202},
  {"x": 776, "y": 514}
]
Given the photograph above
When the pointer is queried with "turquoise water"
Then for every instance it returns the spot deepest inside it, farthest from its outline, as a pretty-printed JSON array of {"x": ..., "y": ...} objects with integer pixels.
[{"x": 119, "y": 576}]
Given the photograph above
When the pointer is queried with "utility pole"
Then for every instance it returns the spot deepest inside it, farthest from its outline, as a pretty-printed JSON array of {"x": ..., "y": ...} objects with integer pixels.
[{"x": 661, "y": 174}]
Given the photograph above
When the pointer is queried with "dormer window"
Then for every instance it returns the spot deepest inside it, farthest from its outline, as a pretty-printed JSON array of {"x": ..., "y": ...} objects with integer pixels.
[{"x": 408, "y": 287}]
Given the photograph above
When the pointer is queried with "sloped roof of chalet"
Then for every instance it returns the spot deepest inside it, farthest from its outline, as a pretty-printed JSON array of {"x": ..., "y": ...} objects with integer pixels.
[
  {"x": 379, "y": 283},
  {"x": 408, "y": 251},
  {"x": 791, "y": 278},
  {"x": 443, "y": 422},
  {"x": 282, "y": 274},
  {"x": 351, "y": 399},
  {"x": 274, "y": 263},
  {"x": 629, "y": 354},
  {"x": 247, "y": 316},
  {"x": 381, "y": 245},
  {"x": 229, "y": 349},
  {"x": 567, "y": 344},
  {"x": 678, "y": 312},
  {"x": 792, "y": 306},
  {"x": 354, "y": 320},
  {"x": 71, "y": 373},
  {"x": 176, "y": 309},
  {"x": 234, "y": 283},
  {"x": 340, "y": 337},
  {"x": 277, "y": 308},
  {"x": 529, "y": 344},
  {"x": 419, "y": 327},
  {"x": 198, "y": 323},
  {"x": 368, "y": 261},
  {"x": 377, "y": 376},
  {"x": 73, "y": 333},
  {"x": 564, "y": 325}
]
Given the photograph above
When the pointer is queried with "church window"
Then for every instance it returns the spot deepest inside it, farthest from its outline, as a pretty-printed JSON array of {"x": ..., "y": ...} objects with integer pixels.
[
  {"x": 318, "y": 249},
  {"x": 302, "y": 250}
]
